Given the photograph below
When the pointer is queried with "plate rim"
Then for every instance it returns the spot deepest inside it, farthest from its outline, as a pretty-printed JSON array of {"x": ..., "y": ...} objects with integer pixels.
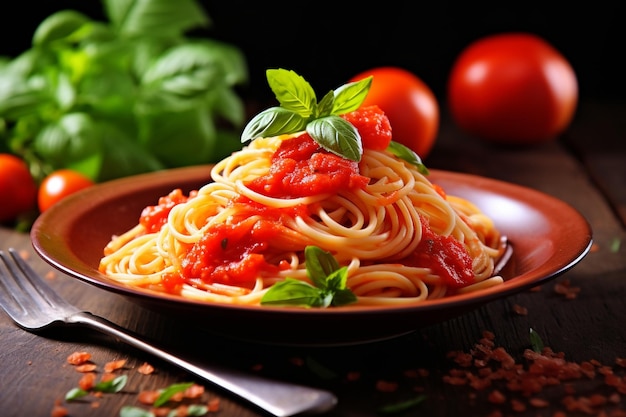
[{"x": 53, "y": 220}]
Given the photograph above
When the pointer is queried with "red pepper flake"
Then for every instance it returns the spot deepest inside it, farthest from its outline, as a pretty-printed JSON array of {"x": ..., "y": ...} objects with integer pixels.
[
  {"x": 114, "y": 365},
  {"x": 353, "y": 376},
  {"x": 496, "y": 397},
  {"x": 87, "y": 367},
  {"x": 87, "y": 381},
  {"x": 108, "y": 376},
  {"x": 386, "y": 386},
  {"x": 565, "y": 288},
  {"x": 519, "y": 310},
  {"x": 161, "y": 411},
  {"x": 194, "y": 391},
  {"x": 148, "y": 397},
  {"x": 518, "y": 406},
  {"x": 79, "y": 358},
  {"x": 213, "y": 405},
  {"x": 296, "y": 361},
  {"x": 58, "y": 410},
  {"x": 145, "y": 369},
  {"x": 538, "y": 402}
]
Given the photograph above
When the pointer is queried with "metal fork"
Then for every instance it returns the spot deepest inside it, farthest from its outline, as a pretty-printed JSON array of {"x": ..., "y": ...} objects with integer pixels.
[{"x": 34, "y": 306}]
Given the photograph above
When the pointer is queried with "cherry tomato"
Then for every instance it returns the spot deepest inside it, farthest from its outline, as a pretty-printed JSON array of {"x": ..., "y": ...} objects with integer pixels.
[
  {"x": 410, "y": 105},
  {"x": 512, "y": 88},
  {"x": 18, "y": 190},
  {"x": 59, "y": 185}
]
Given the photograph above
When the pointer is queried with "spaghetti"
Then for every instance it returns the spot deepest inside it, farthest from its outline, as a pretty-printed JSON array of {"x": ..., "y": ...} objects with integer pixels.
[{"x": 402, "y": 239}]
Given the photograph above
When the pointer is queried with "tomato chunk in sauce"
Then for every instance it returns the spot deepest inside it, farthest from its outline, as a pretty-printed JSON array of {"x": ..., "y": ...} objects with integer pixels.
[
  {"x": 445, "y": 256},
  {"x": 373, "y": 126},
  {"x": 300, "y": 167},
  {"x": 154, "y": 217},
  {"x": 233, "y": 253}
]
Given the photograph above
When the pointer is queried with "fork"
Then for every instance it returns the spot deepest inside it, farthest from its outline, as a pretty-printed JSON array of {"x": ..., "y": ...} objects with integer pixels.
[{"x": 34, "y": 306}]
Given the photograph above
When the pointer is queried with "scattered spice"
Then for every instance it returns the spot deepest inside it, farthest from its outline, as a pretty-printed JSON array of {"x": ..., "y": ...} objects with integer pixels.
[
  {"x": 565, "y": 288},
  {"x": 520, "y": 310},
  {"x": 58, "y": 410},
  {"x": 78, "y": 358},
  {"x": 145, "y": 369},
  {"x": 114, "y": 365},
  {"x": 86, "y": 367},
  {"x": 519, "y": 385},
  {"x": 181, "y": 400},
  {"x": 353, "y": 376},
  {"x": 386, "y": 386}
]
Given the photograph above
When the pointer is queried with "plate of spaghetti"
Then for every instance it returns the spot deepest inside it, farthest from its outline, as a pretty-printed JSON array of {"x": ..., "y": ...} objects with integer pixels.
[{"x": 328, "y": 233}]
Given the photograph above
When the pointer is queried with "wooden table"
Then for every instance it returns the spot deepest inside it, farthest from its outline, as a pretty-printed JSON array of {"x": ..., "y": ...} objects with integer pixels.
[{"x": 585, "y": 168}]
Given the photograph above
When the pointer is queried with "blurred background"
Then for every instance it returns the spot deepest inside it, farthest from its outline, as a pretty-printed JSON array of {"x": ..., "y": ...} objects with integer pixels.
[{"x": 328, "y": 42}]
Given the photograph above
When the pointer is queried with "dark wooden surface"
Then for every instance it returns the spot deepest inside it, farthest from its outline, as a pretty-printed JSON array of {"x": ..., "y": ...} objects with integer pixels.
[{"x": 585, "y": 168}]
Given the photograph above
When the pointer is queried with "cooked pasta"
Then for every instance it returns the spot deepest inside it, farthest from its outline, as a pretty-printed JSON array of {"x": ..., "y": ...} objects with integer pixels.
[{"x": 402, "y": 239}]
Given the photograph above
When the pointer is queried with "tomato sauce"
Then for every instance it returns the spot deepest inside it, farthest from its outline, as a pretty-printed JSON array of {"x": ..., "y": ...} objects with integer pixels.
[
  {"x": 154, "y": 217},
  {"x": 300, "y": 168},
  {"x": 233, "y": 253},
  {"x": 373, "y": 126},
  {"x": 445, "y": 256}
]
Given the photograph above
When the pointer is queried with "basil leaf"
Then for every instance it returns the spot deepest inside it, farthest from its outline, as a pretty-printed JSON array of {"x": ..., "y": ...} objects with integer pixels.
[
  {"x": 132, "y": 411},
  {"x": 336, "y": 280},
  {"x": 159, "y": 132},
  {"x": 273, "y": 122},
  {"x": 325, "y": 106},
  {"x": 319, "y": 265},
  {"x": 170, "y": 391},
  {"x": 58, "y": 26},
  {"x": 402, "y": 406},
  {"x": 320, "y": 370},
  {"x": 336, "y": 135},
  {"x": 114, "y": 385},
  {"x": 535, "y": 341},
  {"x": 73, "y": 137},
  {"x": 349, "y": 97},
  {"x": 329, "y": 284},
  {"x": 325, "y": 299},
  {"x": 343, "y": 297},
  {"x": 121, "y": 155},
  {"x": 292, "y": 91},
  {"x": 408, "y": 155},
  {"x": 75, "y": 393},
  {"x": 162, "y": 17},
  {"x": 292, "y": 292},
  {"x": 336, "y": 285},
  {"x": 197, "y": 410}
]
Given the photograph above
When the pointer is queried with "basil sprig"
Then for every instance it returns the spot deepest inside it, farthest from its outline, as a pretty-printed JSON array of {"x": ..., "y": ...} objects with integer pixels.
[
  {"x": 328, "y": 289},
  {"x": 299, "y": 110}
]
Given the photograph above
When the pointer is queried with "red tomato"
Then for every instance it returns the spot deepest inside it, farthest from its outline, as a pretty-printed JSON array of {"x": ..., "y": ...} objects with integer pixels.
[
  {"x": 512, "y": 88},
  {"x": 18, "y": 190},
  {"x": 59, "y": 185},
  {"x": 410, "y": 105}
]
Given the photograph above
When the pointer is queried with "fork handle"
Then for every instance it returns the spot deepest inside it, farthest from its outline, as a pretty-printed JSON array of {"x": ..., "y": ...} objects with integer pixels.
[{"x": 278, "y": 398}]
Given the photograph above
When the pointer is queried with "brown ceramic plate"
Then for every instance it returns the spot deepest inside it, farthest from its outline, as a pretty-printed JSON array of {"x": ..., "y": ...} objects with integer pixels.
[{"x": 547, "y": 235}]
